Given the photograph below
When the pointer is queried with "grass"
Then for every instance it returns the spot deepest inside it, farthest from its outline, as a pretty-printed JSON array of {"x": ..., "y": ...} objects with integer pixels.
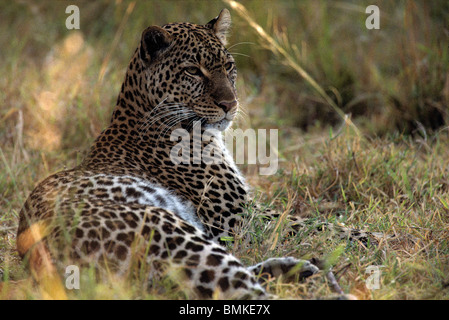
[
  {"x": 362, "y": 119},
  {"x": 395, "y": 187}
]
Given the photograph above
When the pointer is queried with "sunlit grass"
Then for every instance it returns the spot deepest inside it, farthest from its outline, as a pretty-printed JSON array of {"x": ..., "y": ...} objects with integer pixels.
[{"x": 302, "y": 65}]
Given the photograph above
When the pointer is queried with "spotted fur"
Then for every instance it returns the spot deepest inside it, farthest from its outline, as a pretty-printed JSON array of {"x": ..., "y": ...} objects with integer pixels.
[{"x": 128, "y": 199}]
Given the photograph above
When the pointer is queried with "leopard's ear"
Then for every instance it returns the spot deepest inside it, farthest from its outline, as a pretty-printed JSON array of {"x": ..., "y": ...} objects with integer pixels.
[
  {"x": 220, "y": 25},
  {"x": 155, "y": 40}
]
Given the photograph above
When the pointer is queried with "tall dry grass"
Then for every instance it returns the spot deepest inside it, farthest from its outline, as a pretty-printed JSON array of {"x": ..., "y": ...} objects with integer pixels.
[{"x": 309, "y": 68}]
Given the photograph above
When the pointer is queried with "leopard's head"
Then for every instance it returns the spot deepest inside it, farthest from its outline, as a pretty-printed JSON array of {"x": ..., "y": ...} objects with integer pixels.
[{"x": 188, "y": 75}]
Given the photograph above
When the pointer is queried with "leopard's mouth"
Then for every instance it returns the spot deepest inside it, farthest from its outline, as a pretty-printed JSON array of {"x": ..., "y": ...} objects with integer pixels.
[{"x": 220, "y": 125}]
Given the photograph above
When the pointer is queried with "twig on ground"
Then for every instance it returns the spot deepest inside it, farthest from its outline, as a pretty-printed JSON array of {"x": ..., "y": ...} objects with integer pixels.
[{"x": 333, "y": 283}]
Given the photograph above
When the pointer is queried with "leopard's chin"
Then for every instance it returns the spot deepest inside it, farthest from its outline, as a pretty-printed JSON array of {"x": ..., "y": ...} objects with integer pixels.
[{"x": 220, "y": 125}]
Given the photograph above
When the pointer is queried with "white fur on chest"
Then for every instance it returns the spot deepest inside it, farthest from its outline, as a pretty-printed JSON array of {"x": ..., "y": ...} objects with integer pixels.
[{"x": 133, "y": 189}]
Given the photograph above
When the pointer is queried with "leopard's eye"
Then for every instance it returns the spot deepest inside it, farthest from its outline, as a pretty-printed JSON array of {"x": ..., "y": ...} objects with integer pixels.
[
  {"x": 229, "y": 66},
  {"x": 193, "y": 71}
]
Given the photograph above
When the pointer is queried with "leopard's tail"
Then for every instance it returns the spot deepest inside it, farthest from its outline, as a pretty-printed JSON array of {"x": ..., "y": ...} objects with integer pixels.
[{"x": 31, "y": 244}]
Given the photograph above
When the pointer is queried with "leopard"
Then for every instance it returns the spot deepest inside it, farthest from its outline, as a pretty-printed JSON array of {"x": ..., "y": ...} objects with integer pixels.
[{"x": 128, "y": 200}]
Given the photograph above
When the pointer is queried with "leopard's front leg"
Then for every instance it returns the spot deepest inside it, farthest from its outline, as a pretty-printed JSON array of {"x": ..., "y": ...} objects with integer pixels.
[{"x": 288, "y": 267}]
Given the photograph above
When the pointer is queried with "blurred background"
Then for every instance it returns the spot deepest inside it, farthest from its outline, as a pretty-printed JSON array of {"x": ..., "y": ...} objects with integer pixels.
[{"x": 61, "y": 84}]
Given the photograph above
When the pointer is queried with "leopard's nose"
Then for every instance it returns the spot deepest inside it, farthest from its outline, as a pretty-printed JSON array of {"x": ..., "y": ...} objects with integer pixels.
[{"x": 227, "y": 105}]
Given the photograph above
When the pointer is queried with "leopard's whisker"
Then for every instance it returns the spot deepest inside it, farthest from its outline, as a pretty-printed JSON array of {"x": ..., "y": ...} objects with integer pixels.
[
  {"x": 239, "y": 43},
  {"x": 240, "y": 54},
  {"x": 173, "y": 116},
  {"x": 156, "y": 110},
  {"x": 242, "y": 115},
  {"x": 162, "y": 105},
  {"x": 173, "y": 109},
  {"x": 172, "y": 123}
]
